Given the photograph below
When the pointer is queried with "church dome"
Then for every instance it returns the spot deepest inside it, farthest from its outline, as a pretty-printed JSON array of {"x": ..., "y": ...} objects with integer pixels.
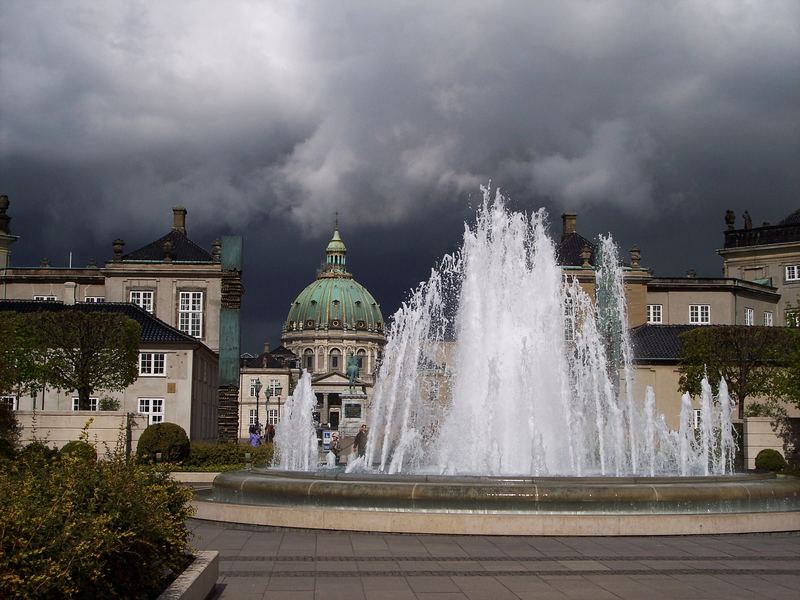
[{"x": 335, "y": 300}]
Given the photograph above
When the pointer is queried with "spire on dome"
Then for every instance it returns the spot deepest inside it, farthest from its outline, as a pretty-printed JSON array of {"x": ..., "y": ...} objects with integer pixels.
[{"x": 335, "y": 254}]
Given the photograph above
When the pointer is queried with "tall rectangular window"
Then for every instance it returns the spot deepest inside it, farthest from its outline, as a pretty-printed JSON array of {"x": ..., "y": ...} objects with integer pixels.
[
  {"x": 252, "y": 388},
  {"x": 654, "y": 314},
  {"x": 749, "y": 316},
  {"x": 94, "y": 299},
  {"x": 252, "y": 416},
  {"x": 274, "y": 388},
  {"x": 768, "y": 318},
  {"x": 142, "y": 298},
  {"x": 190, "y": 313},
  {"x": 792, "y": 272},
  {"x": 569, "y": 319},
  {"x": 153, "y": 408},
  {"x": 272, "y": 416},
  {"x": 700, "y": 314},
  {"x": 696, "y": 418},
  {"x": 152, "y": 363},
  {"x": 76, "y": 403},
  {"x": 10, "y": 401}
]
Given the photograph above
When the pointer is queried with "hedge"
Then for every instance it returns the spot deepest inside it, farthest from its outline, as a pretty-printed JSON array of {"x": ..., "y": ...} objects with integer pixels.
[{"x": 210, "y": 456}]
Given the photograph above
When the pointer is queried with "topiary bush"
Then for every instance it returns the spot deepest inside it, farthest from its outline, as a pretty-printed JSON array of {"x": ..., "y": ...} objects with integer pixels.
[
  {"x": 79, "y": 448},
  {"x": 770, "y": 460},
  {"x": 167, "y": 438},
  {"x": 81, "y": 529}
]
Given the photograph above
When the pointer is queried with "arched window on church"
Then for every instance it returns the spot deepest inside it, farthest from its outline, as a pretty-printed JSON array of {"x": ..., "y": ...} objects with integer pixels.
[
  {"x": 335, "y": 359},
  {"x": 361, "y": 355},
  {"x": 308, "y": 360}
]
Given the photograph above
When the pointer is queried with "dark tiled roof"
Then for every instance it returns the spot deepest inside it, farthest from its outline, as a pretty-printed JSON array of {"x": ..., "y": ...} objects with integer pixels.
[
  {"x": 183, "y": 250},
  {"x": 153, "y": 329},
  {"x": 569, "y": 250},
  {"x": 657, "y": 343},
  {"x": 272, "y": 360}
]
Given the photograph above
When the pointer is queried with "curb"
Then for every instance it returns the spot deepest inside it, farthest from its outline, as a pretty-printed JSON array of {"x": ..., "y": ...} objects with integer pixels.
[{"x": 197, "y": 581}]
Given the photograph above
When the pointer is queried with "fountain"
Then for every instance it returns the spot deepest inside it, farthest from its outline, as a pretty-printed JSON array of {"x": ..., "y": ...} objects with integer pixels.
[{"x": 504, "y": 404}]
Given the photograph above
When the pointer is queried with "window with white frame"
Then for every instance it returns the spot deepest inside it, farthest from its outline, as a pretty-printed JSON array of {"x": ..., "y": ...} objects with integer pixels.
[
  {"x": 153, "y": 408},
  {"x": 253, "y": 416},
  {"x": 696, "y": 418},
  {"x": 10, "y": 401},
  {"x": 792, "y": 272},
  {"x": 768, "y": 318},
  {"x": 142, "y": 298},
  {"x": 94, "y": 299},
  {"x": 272, "y": 416},
  {"x": 792, "y": 318},
  {"x": 654, "y": 312},
  {"x": 152, "y": 363},
  {"x": 253, "y": 387},
  {"x": 274, "y": 388},
  {"x": 44, "y": 298},
  {"x": 749, "y": 316},
  {"x": 569, "y": 319},
  {"x": 76, "y": 403},
  {"x": 699, "y": 314},
  {"x": 190, "y": 313}
]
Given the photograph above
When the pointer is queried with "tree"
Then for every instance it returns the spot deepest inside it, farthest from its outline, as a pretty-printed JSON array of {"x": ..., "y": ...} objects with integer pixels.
[
  {"x": 19, "y": 364},
  {"x": 750, "y": 359},
  {"x": 87, "y": 351},
  {"x": 787, "y": 380}
]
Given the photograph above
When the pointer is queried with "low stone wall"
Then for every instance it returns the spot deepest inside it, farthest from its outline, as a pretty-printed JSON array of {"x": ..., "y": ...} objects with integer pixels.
[
  {"x": 758, "y": 435},
  {"x": 57, "y": 427}
]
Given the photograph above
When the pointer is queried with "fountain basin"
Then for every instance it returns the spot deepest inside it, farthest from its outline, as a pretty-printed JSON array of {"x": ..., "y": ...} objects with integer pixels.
[{"x": 506, "y": 505}]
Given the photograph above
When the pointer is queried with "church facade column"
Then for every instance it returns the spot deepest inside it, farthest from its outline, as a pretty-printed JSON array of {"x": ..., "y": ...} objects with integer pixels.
[{"x": 325, "y": 416}]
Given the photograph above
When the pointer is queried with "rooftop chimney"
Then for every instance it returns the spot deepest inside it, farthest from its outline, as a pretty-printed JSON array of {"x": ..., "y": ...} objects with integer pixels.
[
  {"x": 568, "y": 220},
  {"x": 4, "y": 218},
  {"x": 179, "y": 219}
]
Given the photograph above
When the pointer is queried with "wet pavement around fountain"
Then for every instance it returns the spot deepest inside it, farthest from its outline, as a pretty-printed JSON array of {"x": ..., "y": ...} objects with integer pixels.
[{"x": 281, "y": 564}]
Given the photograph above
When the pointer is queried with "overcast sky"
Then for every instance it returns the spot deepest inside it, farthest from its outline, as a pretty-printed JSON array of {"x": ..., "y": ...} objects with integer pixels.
[{"x": 647, "y": 118}]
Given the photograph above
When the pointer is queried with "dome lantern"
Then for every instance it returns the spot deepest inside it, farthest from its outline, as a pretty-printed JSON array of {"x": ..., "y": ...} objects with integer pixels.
[{"x": 336, "y": 255}]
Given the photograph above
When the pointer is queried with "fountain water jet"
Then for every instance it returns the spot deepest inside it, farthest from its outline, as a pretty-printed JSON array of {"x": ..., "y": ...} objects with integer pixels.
[
  {"x": 538, "y": 376},
  {"x": 295, "y": 436}
]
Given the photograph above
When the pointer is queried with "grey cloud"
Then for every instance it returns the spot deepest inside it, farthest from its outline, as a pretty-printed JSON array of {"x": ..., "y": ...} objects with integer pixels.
[{"x": 266, "y": 117}]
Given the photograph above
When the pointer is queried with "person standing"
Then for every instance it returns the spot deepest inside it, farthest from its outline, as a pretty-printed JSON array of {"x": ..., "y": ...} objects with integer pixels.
[{"x": 360, "y": 443}]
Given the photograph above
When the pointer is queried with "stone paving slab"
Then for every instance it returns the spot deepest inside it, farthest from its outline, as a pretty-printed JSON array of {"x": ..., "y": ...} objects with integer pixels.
[{"x": 285, "y": 564}]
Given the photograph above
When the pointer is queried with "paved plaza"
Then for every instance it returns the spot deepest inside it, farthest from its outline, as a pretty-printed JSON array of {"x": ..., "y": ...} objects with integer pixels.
[{"x": 282, "y": 564}]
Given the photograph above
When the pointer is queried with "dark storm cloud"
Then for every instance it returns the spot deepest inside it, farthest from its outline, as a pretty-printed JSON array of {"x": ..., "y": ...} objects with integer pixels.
[{"x": 646, "y": 117}]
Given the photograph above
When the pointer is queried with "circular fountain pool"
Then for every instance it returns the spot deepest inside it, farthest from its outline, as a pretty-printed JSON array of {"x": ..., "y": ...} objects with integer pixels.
[{"x": 506, "y": 505}]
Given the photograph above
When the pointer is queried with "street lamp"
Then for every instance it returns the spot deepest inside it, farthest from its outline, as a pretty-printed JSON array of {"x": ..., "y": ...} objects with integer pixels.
[{"x": 257, "y": 387}]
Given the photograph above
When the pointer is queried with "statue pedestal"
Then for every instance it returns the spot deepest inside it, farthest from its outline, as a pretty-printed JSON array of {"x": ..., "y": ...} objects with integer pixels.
[{"x": 354, "y": 412}]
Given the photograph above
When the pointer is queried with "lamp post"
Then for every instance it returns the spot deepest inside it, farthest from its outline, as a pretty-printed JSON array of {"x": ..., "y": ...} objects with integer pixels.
[{"x": 257, "y": 387}]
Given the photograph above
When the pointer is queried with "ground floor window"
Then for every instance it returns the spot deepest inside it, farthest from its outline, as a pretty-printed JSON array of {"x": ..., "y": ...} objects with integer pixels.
[
  {"x": 253, "y": 416},
  {"x": 768, "y": 318},
  {"x": 272, "y": 416},
  {"x": 76, "y": 403},
  {"x": 696, "y": 418},
  {"x": 10, "y": 401},
  {"x": 153, "y": 408}
]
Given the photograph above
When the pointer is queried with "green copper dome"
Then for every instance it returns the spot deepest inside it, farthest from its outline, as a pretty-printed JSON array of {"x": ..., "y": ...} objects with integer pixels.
[{"x": 335, "y": 300}]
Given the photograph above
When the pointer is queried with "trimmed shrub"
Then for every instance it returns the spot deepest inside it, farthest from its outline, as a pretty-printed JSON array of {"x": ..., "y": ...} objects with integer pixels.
[
  {"x": 37, "y": 451},
  {"x": 167, "y": 438},
  {"x": 770, "y": 460},
  {"x": 210, "y": 456},
  {"x": 81, "y": 449},
  {"x": 79, "y": 529}
]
